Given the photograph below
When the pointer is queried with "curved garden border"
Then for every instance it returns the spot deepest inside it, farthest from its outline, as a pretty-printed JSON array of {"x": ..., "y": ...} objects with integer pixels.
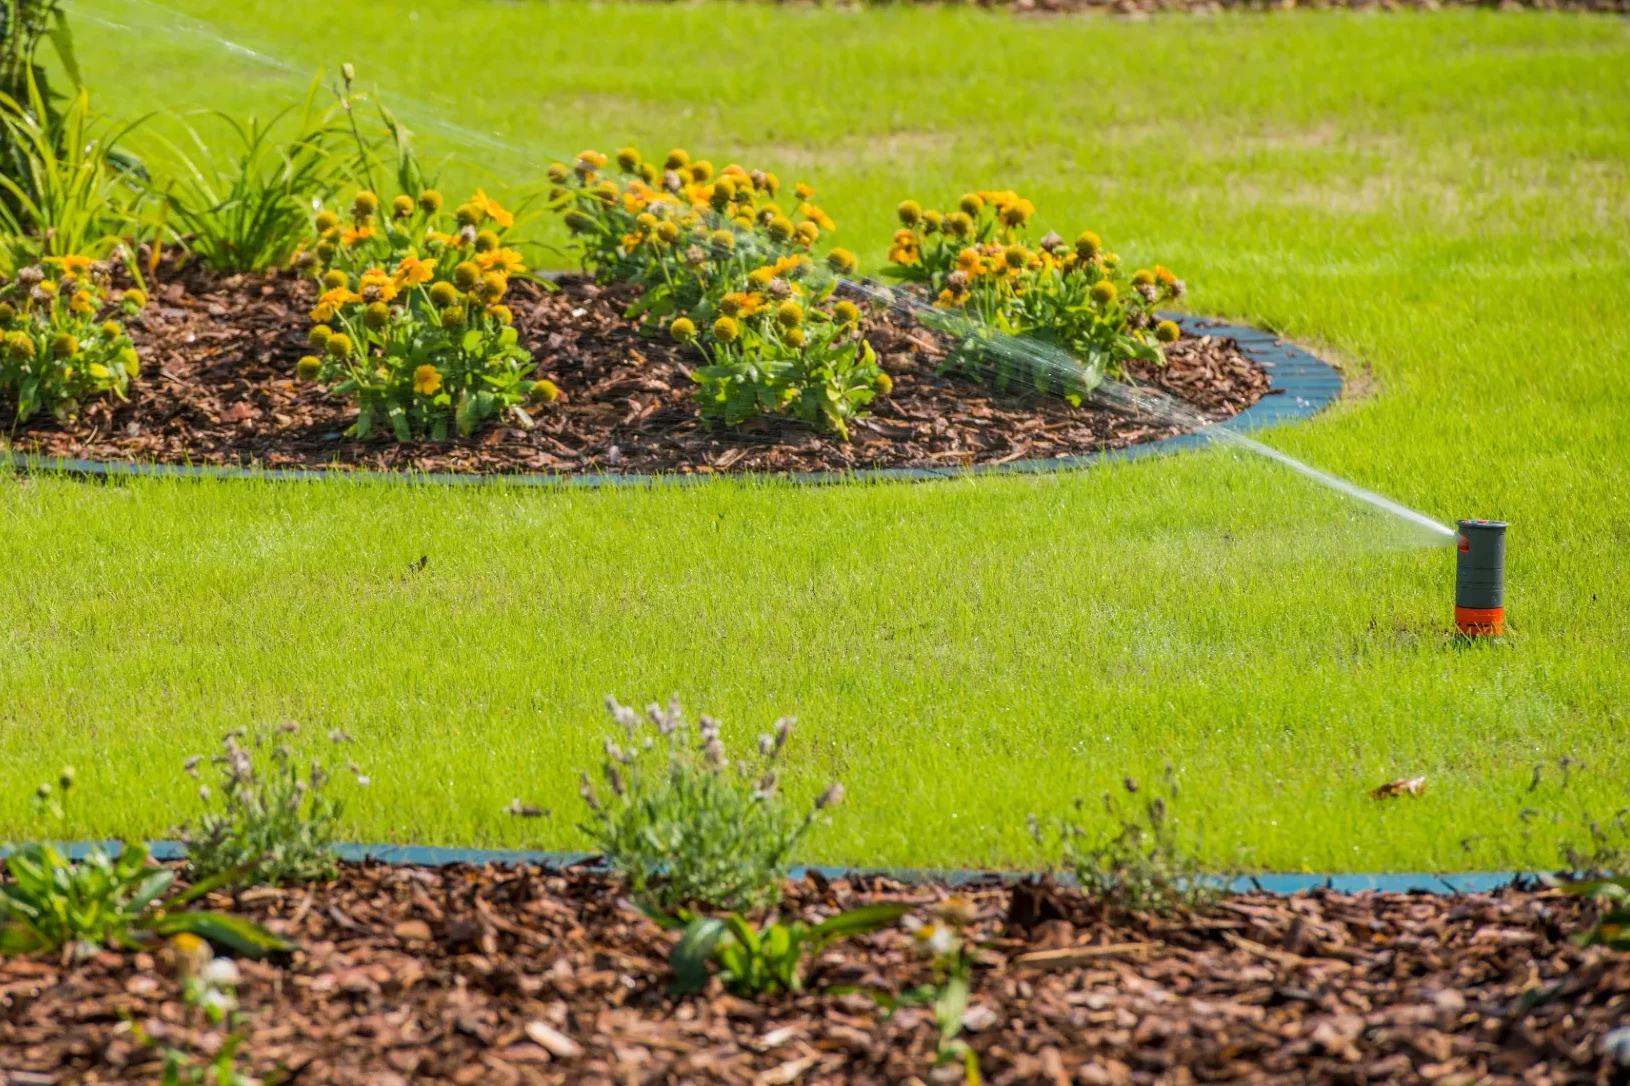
[{"x": 1300, "y": 386}]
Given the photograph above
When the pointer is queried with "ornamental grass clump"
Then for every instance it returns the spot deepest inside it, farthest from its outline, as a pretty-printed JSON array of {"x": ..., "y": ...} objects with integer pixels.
[
  {"x": 412, "y": 322},
  {"x": 989, "y": 283},
  {"x": 267, "y": 819},
  {"x": 729, "y": 270},
  {"x": 684, "y": 824},
  {"x": 60, "y": 341}
]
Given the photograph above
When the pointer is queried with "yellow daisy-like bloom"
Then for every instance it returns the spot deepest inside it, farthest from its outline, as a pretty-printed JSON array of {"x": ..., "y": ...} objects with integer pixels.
[
  {"x": 725, "y": 330},
  {"x": 322, "y": 312},
  {"x": 1143, "y": 277},
  {"x": 336, "y": 279},
  {"x": 630, "y": 242},
  {"x": 486, "y": 241},
  {"x": 1104, "y": 292},
  {"x": 507, "y": 261},
  {"x": 318, "y": 336},
  {"x": 338, "y": 345},
  {"x": 443, "y": 294},
  {"x": 326, "y": 221},
  {"x": 493, "y": 285},
  {"x": 402, "y": 207},
  {"x": 781, "y": 228},
  {"x": 1017, "y": 213},
  {"x": 364, "y": 205},
  {"x": 884, "y": 384},
  {"x": 629, "y": 159},
  {"x": 65, "y": 345},
  {"x": 430, "y": 201},
  {"x": 501, "y": 314},
  {"x": 355, "y": 234},
  {"x": 467, "y": 275},
  {"x": 308, "y": 368},
  {"x": 1165, "y": 277},
  {"x": 668, "y": 231},
  {"x": 1017, "y": 257},
  {"x": 910, "y": 212},
  {"x": 960, "y": 224},
  {"x": 701, "y": 171},
  {"x": 19, "y": 345},
  {"x": 682, "y": 329},
  {"x": 968, "y": 260},
  {"x": 453, "y": 317},
  {"x": 822, "y": 219},
  {"x": 494, "y": 210},
  {"x": 559, "y": 173},
  {"x": 545, "y": 390},
  {"x": 645, "y": 220},
  {"x": 807, "y": 232},
  {"x": 377, "y": 278},
  {"x": 677, "y": 159},
  {"x": 789, "y": 314},
  {"x": 786, "y": 265},
  {"x": 1168, "y": 332},
  {"x": 72, "y": 265},
  {"x": 415, "y": 271},
  {"x": 376, "y": 316},
  {"x": 761, "y": 276},
  {"x": 802, "y": 191},
  {"x": 846, "y": 312},
  {"x": 112, "y": 329},
  {"x": 1088, "y": 244},
  {"x": 971, "y": 204},
  {"x": 82, "y": 302},
  {"x": 427, "y": 380},
  {"x": 841, "y": 261},
  {"x": 793, "y": 337},
  {"x": 8, "y": 312},
  {"x": 723, "y": 239}
]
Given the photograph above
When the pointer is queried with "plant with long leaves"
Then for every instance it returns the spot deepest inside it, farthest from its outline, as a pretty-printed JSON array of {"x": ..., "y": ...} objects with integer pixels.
[
  {"x": 765, "y": 960},
  {"x": 70, "y": 196},
  {"x": 251, "y": 213}
]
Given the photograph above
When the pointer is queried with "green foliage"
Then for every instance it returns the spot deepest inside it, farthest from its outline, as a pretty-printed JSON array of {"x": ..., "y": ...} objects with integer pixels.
[
  {"x": 718, "y": 260},
  {"x": 766, "y": 960},
  {"x": 70, "y": 192},
  {"x": 682, "y": 824},
  {"x": 989, "y": 288},
  {"x": 817, "y": 367},
  {"x": 1141, "y": 861},
  {"x": 251, "y": 213},
  {"x": 209, "y": 992},
  {"x": 943, "y": 940},
  {"x": 264, "y": 823},
  {"x": 58, "y": 343},
  {"x": 51, "y": 902}
]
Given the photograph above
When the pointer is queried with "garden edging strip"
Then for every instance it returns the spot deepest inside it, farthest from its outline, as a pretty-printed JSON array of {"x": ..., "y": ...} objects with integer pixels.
[
  {"x": 1414, "y": 882},
  {"x": 1301, "y": 385}
]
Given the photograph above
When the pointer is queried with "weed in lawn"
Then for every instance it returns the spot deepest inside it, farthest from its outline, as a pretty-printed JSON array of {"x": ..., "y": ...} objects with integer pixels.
[
  {"x": 1143, "y": 860},
  {"x": 683, "y": 824},
  {"x": 271, "y": 822}
]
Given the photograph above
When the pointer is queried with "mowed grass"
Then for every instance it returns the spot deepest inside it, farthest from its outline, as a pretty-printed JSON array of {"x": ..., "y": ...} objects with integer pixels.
[{"x": 1441, "y": 202}]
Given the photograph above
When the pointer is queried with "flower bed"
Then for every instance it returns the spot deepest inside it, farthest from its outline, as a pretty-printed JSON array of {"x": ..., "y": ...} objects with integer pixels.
[
  {"x": 219, "y": 387},
  {"x": 463, "y": 975}
]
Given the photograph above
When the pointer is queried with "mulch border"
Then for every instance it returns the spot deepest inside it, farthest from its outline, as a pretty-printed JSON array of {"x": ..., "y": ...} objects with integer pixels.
[
  {"x": 1301, "y": 386},
  {"x": 1280, "y": 883}
]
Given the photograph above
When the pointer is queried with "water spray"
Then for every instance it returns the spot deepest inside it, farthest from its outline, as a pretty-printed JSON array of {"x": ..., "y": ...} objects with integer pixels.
[{"x": 1480, "y": 578}]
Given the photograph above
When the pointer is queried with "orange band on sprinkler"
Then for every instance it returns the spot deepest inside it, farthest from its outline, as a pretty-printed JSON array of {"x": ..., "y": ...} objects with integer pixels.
[{"x": 1480, "y": 620}]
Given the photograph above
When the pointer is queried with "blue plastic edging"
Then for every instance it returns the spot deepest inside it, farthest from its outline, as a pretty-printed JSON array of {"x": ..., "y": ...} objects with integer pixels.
[
  {"x": 1476, "y": 882},
  {"x": 1300, "y": 386}
]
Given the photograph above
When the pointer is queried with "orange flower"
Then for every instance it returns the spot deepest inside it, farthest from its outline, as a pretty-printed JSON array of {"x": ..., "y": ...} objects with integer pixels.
[
  {"x": 354, "y": 234},
  {"x": 376, "y": 277},
  {"x": 788, "y": 264},
  {"x": 73, "y": 264},
  {"x": 507, "y": 261},
  {"x": 414, "y": 271},
  {"x": 493, "y": 211},
  {"x": 426, "y": 380},
  {"x": 803, "y": 191},
  {"x": 820, "y": 218}
]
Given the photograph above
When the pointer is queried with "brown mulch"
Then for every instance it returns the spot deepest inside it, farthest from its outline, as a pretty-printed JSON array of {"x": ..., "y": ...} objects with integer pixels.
[
  {"x": 217, "y": 387},
  {"x": 467, "y": 975}
]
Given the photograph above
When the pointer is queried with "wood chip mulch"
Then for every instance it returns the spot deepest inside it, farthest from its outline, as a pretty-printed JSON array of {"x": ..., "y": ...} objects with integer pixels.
[
  {"x": 217, "y": 388},
  {"x": 518, "y": 975}
]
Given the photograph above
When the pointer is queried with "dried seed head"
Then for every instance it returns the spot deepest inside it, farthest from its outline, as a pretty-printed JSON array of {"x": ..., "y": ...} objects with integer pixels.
[
  {"x": 783, "y": 729},
  {"x": 203, "y": 792},
  {"x": 766, "y": 745},
  {"x": 779, "y": 288},
  {"x": 289, "y": 726},
  {"x": 585, "y": 788},
  {"x": 614, "y": 777},
  {"x": 337, "y": 736},
  {"x": 714, "y": 752},
  {"x": 831, "y": 797}
]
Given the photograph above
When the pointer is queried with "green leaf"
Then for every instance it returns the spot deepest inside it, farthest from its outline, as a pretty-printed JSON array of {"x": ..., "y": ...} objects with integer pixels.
[
  {"x": 860, "y": 921},
  {"x": 471, "y": 340},
  {"x": 222, "y": 929},
  {"x": 691, "y": 954},
  {"x": 18, "y": 937}
]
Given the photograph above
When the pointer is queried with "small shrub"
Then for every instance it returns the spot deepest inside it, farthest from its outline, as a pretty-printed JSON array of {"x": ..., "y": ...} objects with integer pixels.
[
  {"x": 761, "y": 961},
  {"x": 422, "y": 343},
  {"x": 683, "y": 824},
  {"x": 719, "y": 261},
  {"x": 989, "y": 285},
  {"x": 265, "y": 823},
  {"x": 52, "y": 903},
  {"x": 58, "y": 342},
  {"x": 1141, "y": 861}
]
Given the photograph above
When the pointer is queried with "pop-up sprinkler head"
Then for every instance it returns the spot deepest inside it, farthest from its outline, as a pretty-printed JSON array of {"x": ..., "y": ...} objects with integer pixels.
[{"x": 1480, "y": 578}]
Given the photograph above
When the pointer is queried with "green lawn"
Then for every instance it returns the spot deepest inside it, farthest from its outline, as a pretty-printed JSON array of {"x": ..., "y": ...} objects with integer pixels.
[{"x": 1441, "y": 201}]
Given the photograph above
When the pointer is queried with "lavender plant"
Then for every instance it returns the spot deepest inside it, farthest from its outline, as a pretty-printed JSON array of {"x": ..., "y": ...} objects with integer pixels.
[
  {"x": 273, "y": 821},
  {"x": 1141, "y": 860},
  {"x": 683, "y": 823}
]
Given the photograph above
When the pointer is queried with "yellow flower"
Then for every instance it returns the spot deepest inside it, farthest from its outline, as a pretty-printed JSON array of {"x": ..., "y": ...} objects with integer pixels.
[
  {"x": 375, "y": 279},
  {"x": 668, "y": 231},
  {"x": 822, "y": 219},
  {"x": 319, "y": 334},
  {"x": 802, "y": 191},
  {"x": 507, "y": 261},
  {"x": 19, "y": 345},
  {"x": 761, "y": 276},
  {"x": 1017, "y": 213},
  {"x": 402, "y": 206},
  {"x": 467, "y": 275},
  {"x": 426, "y": 380},
  {"x": 501, "y": 313},
  {"x": 354, "y": 234},
  {"x": 1104, "y": 292},
  {"x": 677, "y": 159},
  {"x": 846, "y": 312},
  {"x": 308, "y": 368},
  {"x": 364, "y": 205},
  {"x": 910, "y": 212},
  {"x": 65, "y": 345},
  {"x": 492, "y": 208},
  {"x": 884, "y": 384},
  {"x": 338, "y": 345},
  {"x": 430, "y": 201},
  {"x": 793, "y": 337},
  {"x": 1143, "y": 277},
  {"x": 1168, "y": 332},
  {"x": 443, "y": 294},
  {"x": 807, "y": 232},
  {"x": 841, "y": 261},
  {"x": 725, "y": 330},
  {"x": 682, "y": 329},
  {"x": 971, "y": 204},
  {"x": 82, "y": 302},
  {"x": 789, "y": 264},
  {"x": 72, "y": 264},
  {"x": 326, "y": 221},
  {"x": 98, "y": 371},
  {"x": 789, "y": 314},
  {"x": 486, "y": 241},
  {"x": 377, "y": 315},
  {"x": 336, "y": 279},
  {"x": 1088, "y": 244},
  {"x": 545, "y": 390},
  {"x": 968, "y": 260},
  {"x": 493, "y": 285},
  {"x": 414, "y": 271},
  {"x": 629, "y": 159},
  {"x": 701, "y": 171}
]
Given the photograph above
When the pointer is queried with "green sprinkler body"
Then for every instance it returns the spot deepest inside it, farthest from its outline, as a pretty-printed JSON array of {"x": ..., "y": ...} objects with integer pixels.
[{"x": 1480, "y": 578}]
